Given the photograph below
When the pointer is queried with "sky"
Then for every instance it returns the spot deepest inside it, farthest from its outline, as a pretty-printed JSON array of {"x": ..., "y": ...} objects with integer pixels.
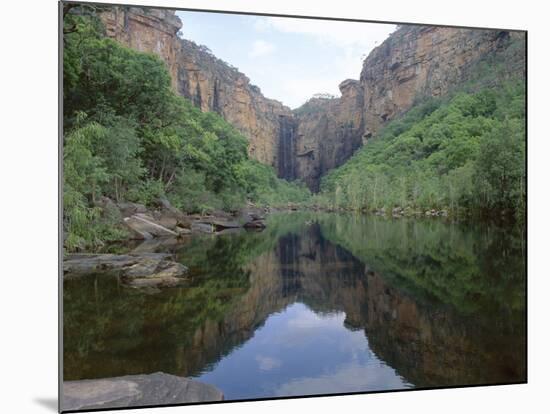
[{"x": 289, "y": 59}]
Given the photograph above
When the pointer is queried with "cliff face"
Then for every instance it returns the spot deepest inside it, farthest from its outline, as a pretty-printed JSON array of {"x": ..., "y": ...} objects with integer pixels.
[
  {"x": 420, "y": 61},
  {"x": 414, "y": 62},
  {"x": 146, "y": 30},
  {"x": 207, "y": 81},
  {"x": 329, "y": 132},
  {"x": 213, "y": 85}
]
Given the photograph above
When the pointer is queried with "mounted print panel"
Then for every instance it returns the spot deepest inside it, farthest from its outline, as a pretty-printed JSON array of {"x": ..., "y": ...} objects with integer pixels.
[{"x": 260, "y": 207}]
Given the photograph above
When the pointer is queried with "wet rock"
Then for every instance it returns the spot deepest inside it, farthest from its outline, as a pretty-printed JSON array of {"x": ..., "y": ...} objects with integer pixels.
[{"x": 136, "y": 390}]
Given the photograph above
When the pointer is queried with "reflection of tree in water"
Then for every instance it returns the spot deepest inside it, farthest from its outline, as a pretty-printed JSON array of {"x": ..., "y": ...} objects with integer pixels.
[{"x": 433, "y": 303}]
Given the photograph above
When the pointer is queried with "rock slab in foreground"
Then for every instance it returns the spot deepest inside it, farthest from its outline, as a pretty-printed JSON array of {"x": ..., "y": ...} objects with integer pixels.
[{"x": 136, "y": 390}]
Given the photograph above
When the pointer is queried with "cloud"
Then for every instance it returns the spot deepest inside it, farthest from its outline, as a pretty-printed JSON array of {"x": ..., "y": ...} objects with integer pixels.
[
  {"x": 267, "y": 363},
  {"x": 342, "y": 34},
  {"x": 347, "y": 42},
  {"x": 348, "y": 378},
  {"x": 261, "y": 48}
]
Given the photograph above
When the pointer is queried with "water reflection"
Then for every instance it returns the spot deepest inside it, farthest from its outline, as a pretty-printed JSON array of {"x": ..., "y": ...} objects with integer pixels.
[
  {"x": 300, "y": 352},
  {"x": 315, "y": 304}
]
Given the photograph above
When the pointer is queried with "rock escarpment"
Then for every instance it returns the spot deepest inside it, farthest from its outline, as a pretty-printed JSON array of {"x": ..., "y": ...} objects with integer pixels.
[
  {"x": 329, "y": 131},
  {"x": 414, "y": 62},
  {"x": 421, "y": 61},
  {"x": 210, "y": 83},
  {"x": 147, "y": 30},
  {"x": 213, "y": 85}
]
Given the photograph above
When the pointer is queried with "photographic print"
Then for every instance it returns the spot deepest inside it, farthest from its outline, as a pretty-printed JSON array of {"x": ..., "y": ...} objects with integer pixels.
[{"x": 266, "y": 206}]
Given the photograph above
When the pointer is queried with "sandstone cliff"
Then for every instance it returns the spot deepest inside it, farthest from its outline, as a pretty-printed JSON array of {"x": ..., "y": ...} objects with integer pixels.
[
  {"x": 214, "y": 85},
  {"x": 415, "y": 62},
  {"x": 412, "y": 63},
  {"x": 420, "y": 61},
  {"x": 210, "y": 83},
  {"x": 146, "y": 30},
  {"x": 329, "y": 131}
]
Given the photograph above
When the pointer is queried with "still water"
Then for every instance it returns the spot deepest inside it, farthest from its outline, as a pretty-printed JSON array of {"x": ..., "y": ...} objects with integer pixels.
[{"x": 315, "y": 304}]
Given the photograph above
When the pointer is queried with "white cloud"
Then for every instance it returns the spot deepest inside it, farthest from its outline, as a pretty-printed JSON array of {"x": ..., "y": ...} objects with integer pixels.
[
  {"x": 352, "y": 377},
  {"x": 349, "y": 43},
  {"x": 261, "y": 48},
  {"x": 342, "y": 34},
  {"x": 266, "y": 363}
]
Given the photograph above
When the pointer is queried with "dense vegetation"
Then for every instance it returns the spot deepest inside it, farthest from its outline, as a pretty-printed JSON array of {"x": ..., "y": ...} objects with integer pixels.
[
  {"x": 128, "y": 136},
  {"x": 465, "y": 154}
]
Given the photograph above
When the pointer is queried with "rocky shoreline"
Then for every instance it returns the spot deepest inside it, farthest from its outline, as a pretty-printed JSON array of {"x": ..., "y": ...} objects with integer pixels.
[
  {"x": 165, "y": 220},
  {"x": 143, "y": 267}
]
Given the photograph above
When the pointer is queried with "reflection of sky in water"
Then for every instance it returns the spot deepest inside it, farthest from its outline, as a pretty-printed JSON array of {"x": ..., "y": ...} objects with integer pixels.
[{"x": 298, "y": 352}]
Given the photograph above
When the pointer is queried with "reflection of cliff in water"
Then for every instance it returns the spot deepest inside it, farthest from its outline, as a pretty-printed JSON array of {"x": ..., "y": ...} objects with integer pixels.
[
  {"x": 301, "y": 268},
  {"x": 437, "y": 347},
  {"x": 249, "y": 277}
]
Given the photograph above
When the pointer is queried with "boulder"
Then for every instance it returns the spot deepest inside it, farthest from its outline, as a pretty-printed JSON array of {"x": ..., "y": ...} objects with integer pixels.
[
  {"x": 155, "y": 245},
  {"x": 255, "y": 224},
  {"x": 135, "y": 390},
  {"x": 134, "y": 270},
  {"x": 220, "y": 223},
  {"x": 146, "y": 227},
  {"x": 182, "y": 231},
  {"x": 129, "y": 209},
  {"x": 197, "y": 227},
  {"x": 170, "y": 217},
  {"x": 105, "y": 203},
  {"x": 250, "y": 214},
  {"x": 168, "y": 221},
  {"x": 81, "y": 264},
  {"x": 165, "y": 204}
]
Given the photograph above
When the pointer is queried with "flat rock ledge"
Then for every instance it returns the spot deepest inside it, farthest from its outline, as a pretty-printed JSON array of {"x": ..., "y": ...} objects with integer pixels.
[
  {"x": 136, "y": 390},
  {"x": 135, "y": 270}
]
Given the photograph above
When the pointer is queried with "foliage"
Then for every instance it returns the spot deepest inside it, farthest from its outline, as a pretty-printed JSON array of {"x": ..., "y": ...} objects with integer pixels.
[
  {"x": 128, "y": 136},
  {"x": 464, "y": 154}
]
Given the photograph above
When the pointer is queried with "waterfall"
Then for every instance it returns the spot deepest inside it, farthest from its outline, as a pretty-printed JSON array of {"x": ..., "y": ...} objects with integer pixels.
[{"x": 287, "y": 148}]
